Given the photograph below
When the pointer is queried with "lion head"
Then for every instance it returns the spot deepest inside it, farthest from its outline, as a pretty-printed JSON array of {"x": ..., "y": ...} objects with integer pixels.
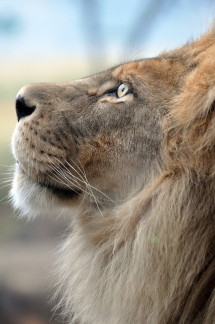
[{"x": 130, "y": 153}]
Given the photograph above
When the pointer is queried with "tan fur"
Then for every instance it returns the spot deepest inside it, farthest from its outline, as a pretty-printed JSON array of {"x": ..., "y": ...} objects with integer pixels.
[{"x": 141, "y": 249}]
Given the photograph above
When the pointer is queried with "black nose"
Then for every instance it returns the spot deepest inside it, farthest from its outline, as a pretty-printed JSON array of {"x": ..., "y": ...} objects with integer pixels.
[{"x": 22, "y": 110}]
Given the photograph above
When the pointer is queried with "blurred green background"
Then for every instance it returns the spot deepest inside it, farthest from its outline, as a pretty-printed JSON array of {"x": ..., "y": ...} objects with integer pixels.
[{"x": 61, "y": 40}]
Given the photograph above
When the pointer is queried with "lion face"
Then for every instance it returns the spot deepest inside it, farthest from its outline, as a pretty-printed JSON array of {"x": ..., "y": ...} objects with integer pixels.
[{"x": 94, "y": 139}]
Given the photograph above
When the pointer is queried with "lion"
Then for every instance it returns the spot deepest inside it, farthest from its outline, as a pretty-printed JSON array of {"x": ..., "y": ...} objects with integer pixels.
[{"x": 130, "y": 154}]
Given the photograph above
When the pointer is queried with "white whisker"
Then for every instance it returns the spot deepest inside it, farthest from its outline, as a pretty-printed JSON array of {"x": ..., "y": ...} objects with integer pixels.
[
  {"x": 92, "y": 187},
  {"x": 69, "y": 182}
]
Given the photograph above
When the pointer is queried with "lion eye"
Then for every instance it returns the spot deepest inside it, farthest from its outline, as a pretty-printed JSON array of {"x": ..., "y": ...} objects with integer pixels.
[{"x": 122, "y": 90}]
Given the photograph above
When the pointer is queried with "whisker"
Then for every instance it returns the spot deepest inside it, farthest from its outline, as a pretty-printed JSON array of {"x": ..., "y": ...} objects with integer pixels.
[
  {"x": 69, "y": 173},
  {"x": 64, "y": 184},
  {"x": 8, "y": 173},
  {"x": 9, "y": 200},
  {"x": 69, "y": 182},
  {"x": 59, "y": 171},
  {"x": 6, "y": 181},
  {"x": 76, "y": 181},
  {"x": 5, "y": 185},
  {"x": 91, "y": 192},
  {"x": 71, "y": 168},
  {"x": 93, "y": 186},
  {"x": 64, "y": 176},
  {"x": 84, "y": 181}
]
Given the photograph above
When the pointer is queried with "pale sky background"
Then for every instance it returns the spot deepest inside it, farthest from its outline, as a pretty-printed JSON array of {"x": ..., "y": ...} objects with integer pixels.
[{"x": 44, "y": 29}]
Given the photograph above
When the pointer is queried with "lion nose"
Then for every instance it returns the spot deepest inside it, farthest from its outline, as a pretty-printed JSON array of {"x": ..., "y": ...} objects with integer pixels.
[{"x": 22, "y": 110}]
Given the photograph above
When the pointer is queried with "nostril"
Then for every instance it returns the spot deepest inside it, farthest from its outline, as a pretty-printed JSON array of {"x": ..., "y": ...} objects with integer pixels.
[{"x": 22, "y": 110}]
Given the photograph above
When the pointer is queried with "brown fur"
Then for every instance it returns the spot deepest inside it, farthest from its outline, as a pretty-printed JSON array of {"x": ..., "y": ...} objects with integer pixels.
[{"x": 142, "y": 245}]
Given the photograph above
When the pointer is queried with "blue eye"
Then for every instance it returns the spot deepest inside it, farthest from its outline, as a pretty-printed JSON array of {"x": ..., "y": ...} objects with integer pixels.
[{"x": 122, "y": 90}]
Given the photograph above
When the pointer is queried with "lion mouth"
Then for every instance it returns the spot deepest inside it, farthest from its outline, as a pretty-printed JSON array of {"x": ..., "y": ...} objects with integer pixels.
[{"x": 60, "y": 192}]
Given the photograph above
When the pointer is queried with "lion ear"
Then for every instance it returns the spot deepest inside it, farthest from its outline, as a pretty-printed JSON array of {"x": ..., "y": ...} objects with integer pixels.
[
  {"x": 197, "y": 98},
  {"x": 190, "y": 130}
]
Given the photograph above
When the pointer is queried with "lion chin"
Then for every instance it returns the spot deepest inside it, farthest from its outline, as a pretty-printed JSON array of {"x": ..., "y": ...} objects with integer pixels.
[
  {"x": 33, "y": 199},
  {"x": 30, "y": 198},
  {"x": 130, "y": 154}
]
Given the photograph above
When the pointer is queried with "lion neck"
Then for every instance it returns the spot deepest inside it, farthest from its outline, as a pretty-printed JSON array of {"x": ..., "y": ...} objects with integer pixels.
[{"x": 155, "y": 252}]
